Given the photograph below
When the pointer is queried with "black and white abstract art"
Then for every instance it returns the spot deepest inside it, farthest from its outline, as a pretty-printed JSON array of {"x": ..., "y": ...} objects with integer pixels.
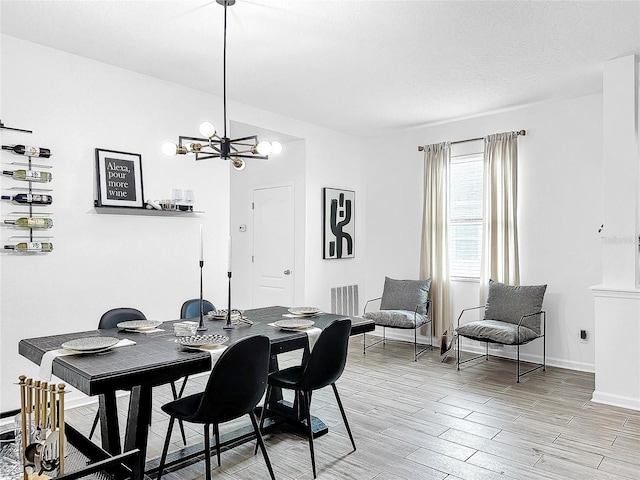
[{"x": 338, "y": 229}]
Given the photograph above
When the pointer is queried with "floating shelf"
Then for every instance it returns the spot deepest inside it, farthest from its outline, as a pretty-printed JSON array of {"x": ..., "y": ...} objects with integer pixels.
[{"x": 144, "y": 211}]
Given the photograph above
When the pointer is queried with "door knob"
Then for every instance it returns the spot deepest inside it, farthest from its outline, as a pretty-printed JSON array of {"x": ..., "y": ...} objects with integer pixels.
[{"x": 287, "y": 272}]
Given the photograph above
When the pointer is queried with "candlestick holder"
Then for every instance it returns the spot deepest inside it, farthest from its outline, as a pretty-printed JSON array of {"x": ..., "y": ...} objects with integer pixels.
[
  {"x": 201, "y": 325},
  {"x": 228, "y": 325}
]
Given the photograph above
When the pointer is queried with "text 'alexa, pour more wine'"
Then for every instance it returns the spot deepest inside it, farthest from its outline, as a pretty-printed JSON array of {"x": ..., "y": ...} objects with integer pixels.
[
  {"x": 29, "y": 198},
  {"x": 28, "y": 151},
  {"x": 29, "y": 175}
]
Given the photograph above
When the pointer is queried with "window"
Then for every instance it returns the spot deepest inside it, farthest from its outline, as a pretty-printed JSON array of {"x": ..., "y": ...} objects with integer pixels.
[{"x": 465, "y": 210}]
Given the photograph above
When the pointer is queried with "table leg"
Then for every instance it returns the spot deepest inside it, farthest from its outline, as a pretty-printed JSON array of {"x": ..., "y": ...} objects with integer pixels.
[
  {"x": 138, "y": 421},
  {"x": 109, "y": 429},
  {"x": 276, "y": 394},
  {"x": 289, "y": 411}
]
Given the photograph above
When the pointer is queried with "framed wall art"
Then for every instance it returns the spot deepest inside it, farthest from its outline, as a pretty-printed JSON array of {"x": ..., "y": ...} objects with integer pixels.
[
  {"x": 338, "y": 230},
  {"x": 119, "y": 179}
]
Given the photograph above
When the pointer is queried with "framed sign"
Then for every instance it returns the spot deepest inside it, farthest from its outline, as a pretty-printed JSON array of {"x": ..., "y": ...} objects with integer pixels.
[
  {"x": 119, "y": 179},
  {"x": 338, "y": 229}
]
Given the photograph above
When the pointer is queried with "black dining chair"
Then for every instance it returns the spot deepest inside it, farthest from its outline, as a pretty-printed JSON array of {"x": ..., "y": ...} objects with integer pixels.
[
  {"x": 111, "y": 319},
  {"x": 191, "y": 308},
  {"x": 322, "y": 367},
  {"x": 236, "y": 385}
]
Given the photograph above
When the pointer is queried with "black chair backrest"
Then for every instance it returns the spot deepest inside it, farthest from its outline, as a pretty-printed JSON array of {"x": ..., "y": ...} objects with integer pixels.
[
  {"x": 237, "y": 382},
  {"x": 191, "y": 308},
  {"x": 328, "y": 357},
  {"x": 114, "y": 316}
]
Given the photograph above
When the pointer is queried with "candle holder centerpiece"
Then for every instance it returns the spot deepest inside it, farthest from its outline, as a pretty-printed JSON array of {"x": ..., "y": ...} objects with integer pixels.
[{"x": 201, "y": 326}]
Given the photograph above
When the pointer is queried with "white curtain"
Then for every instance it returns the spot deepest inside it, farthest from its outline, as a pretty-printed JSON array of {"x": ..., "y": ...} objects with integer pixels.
[
  {"x": 500, "y": 223},
  {"x": 434, "y": 257}
]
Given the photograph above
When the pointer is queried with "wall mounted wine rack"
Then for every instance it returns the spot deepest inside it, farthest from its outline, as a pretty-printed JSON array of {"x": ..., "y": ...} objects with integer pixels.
[{"x": 34, "y": 220}]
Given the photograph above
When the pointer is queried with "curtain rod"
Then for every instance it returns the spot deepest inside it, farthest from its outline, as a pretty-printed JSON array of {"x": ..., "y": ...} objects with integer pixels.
[{"x": 421, "y": 147}]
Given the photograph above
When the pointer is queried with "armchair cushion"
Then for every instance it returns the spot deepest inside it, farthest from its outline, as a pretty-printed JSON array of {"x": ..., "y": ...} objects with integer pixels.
[
  {"x": 405, "y": 295},
  {"x": 497, "y": 331},
  {"x": 397, "y": 318},
  {"x": 508, "y": 303}
]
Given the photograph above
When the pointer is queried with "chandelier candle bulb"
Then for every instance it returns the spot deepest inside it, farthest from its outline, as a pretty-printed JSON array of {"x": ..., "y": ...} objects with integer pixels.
[
  {"x": 29, "y": 175},
  {"x": 28, "y": 151},
  {"x": 207, "y": 129},
  {"x": 31, "y": 222},
  {"x": 276, "y": 148},
  {"x": 29, "y": 198},
  {"x": 169, "y": 149}
]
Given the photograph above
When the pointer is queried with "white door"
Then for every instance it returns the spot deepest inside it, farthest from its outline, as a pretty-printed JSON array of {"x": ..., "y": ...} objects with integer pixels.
[{"x": 273, "y": 246}]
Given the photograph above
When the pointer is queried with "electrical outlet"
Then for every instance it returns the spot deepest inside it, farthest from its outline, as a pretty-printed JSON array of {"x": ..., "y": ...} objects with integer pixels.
[{"x": 583, "y": 334}]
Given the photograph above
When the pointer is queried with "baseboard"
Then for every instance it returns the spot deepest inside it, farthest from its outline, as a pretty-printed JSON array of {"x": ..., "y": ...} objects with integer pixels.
[
  {"x": 504, "y": 352},
  {"x": 501, "y": 351},
  {"x": 616, "y": 400}
]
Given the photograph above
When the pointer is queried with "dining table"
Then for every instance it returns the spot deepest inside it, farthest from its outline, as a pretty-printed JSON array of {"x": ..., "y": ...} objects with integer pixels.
[{"x": 156, "y": 359}]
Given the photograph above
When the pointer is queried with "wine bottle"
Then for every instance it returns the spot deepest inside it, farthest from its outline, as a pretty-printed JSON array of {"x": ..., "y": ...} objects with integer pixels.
[
  {"x": 28, "y": 151},
  {"x": 25, "y": 247},
  {"x": 32, "y": 198},
  {"x": 31, "y": 222},
  {"x": 29, "y": 175}
]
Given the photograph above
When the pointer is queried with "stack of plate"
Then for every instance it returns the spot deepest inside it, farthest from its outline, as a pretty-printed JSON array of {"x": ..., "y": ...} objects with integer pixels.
[
  {"x": 222, "y": 314},
  {"x": 90, "y": 344},
  {"x": 294, "y": 324},
  {"x": 304, "y": 311},
  {"x": 139, "y": 325},
  {"x": 185, "y": 329},
  {"x": 202, "y": 341}
]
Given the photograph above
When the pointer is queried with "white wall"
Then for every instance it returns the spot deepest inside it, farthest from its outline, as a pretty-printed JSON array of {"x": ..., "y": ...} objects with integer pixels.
[
  {"x": 75, "y": 105},
  {"x": 101, "y": 261},
  {"x": 560, "y": 211},
  {"x": 287, "y": 168},
  {"x": 332, "y": 159}
]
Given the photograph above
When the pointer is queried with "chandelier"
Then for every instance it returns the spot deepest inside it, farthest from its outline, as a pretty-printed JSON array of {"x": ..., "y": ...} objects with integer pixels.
[{"x": 211, "y": 145}]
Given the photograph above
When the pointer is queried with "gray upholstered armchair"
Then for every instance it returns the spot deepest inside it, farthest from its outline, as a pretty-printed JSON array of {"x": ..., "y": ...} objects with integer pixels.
[
  {"x": 513, "y": 315},
  {"x": 404, "y": 304}
]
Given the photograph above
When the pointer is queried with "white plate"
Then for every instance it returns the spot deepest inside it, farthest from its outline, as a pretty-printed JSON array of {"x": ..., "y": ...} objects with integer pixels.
[
  {"x": 139, "y": 325},
  {"x": 202, "y": 340},
  {"x": 90, "y": 344},
  {"x": 304, "y": 310},
  {"x": 89, "y": 352},
  {"x": 222, "y": 314},
  {"x": 294, "y": 324}
]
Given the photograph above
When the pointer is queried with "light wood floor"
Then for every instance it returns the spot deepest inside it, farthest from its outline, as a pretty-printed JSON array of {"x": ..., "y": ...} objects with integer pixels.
[{"x": 425, "y": 420}]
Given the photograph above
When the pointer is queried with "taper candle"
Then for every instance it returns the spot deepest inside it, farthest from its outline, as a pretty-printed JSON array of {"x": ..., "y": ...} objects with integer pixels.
[
  {"x": 229, "y": 255},
  {"x": 201, "y": 245}
]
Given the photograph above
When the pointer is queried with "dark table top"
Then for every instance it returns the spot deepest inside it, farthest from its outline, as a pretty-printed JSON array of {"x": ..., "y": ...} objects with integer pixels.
[{"x": 156, "y": 359}]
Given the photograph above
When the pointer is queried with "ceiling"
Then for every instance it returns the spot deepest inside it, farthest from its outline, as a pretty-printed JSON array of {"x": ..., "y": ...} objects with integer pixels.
[{"x": 361, "y": 67}]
